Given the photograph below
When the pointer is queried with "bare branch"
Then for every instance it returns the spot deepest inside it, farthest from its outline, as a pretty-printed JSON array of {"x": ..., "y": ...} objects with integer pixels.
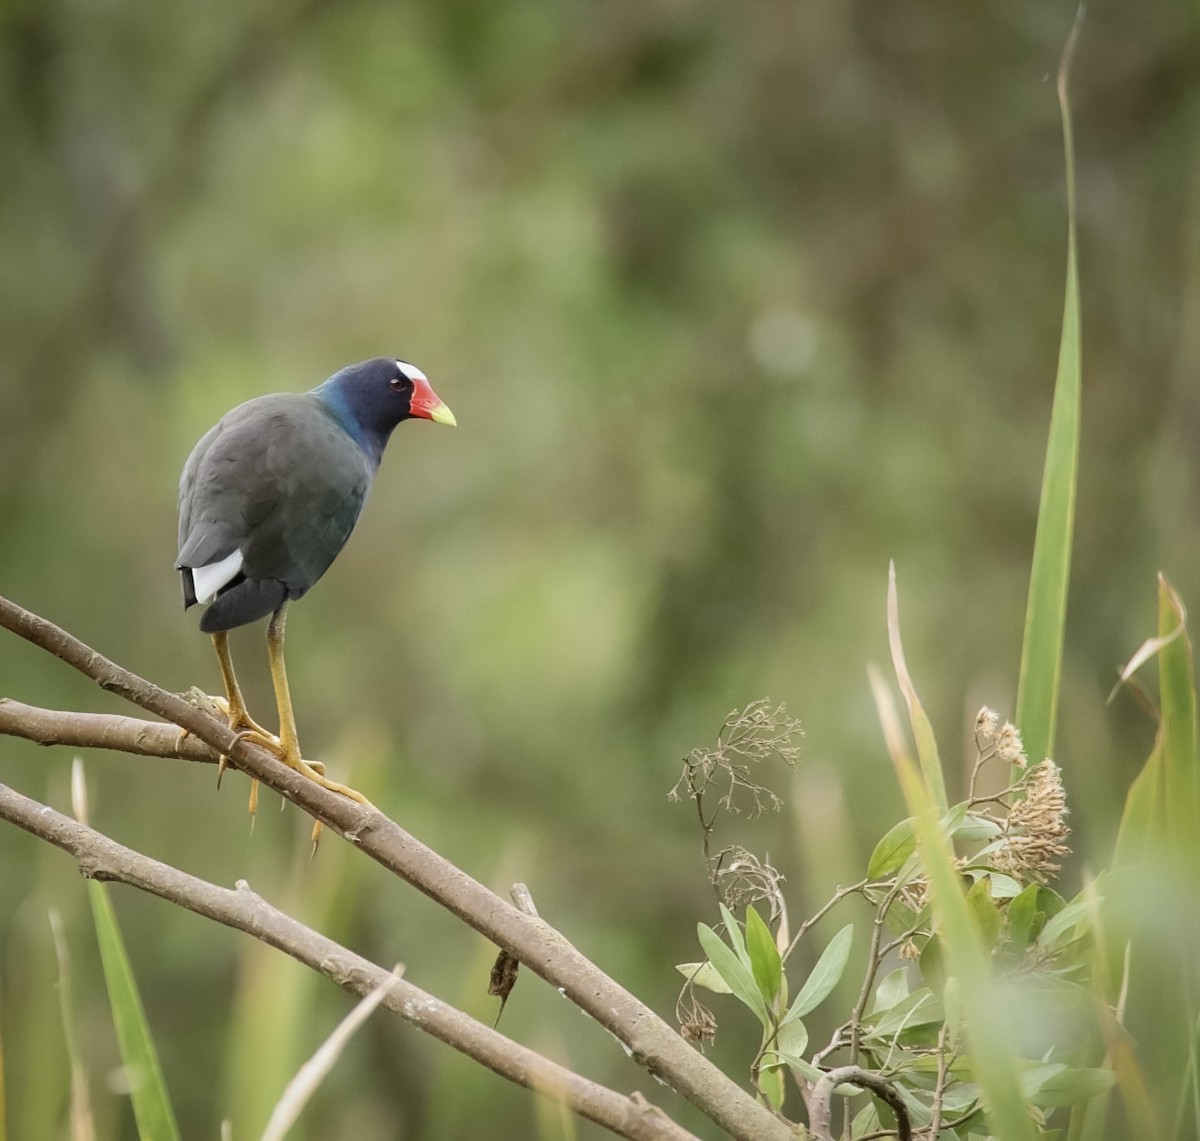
[
  {"x": 650, "y": 1040},
  {"x": 101, "y": 858},
  {"x": 100, "y": 731},
  {"x": 819, "y": 1109}
]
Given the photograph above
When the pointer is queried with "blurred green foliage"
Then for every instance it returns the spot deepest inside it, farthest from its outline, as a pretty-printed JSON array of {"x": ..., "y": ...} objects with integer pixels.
[{"x": 733, "y": 303}]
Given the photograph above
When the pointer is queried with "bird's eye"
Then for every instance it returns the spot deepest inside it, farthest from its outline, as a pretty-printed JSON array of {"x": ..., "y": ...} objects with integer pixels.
[{"x": 399, "y": 383}]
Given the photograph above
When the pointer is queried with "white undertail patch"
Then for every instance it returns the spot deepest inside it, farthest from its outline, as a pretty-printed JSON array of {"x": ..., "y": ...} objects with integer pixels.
[{"x": 207, "y": 580}]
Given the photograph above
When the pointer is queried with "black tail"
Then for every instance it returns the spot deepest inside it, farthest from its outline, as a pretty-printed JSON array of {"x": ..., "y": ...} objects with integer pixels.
[{"x": 247, "y": 601}]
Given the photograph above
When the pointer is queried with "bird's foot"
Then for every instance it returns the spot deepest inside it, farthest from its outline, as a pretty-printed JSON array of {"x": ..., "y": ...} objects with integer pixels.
[
  {"x": 315, "y": 771},
  {"x": 239, "y": 720},
  {"x": 208, "y": 703},
  {"x": 246, "y": 728}
]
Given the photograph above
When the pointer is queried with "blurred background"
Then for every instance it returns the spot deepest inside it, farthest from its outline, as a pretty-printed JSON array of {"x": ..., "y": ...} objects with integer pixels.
[{"x": 733, "y": 302}]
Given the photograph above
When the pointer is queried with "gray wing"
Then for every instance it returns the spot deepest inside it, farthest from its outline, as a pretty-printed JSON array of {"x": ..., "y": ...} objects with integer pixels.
[{"x": 278, "y": 480}]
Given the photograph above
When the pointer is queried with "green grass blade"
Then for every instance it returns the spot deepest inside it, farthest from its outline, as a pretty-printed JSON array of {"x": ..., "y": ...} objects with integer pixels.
[
  {"x": 1142, "y": 818},
  {"x": 1177, "y": 695},
  {"x": 995, "y": 1062},
  {"x": 151, "y": 1104},
  {"x": 1046, "y": 609},
  {"x": 922, "y": 727},
  {"x": 1177, "y": 734}
]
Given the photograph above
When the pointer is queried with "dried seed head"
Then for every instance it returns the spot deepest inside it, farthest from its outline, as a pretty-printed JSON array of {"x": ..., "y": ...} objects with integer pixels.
[
  {"x": 986, "y": 723},
  {"x": 730, "y": 768},
  {"x": 1036, "y": 829},
  {"x": 742, "y": 878},
  {"x": 696, "y": 1021},
  {"x": 1008, "y": 746}
]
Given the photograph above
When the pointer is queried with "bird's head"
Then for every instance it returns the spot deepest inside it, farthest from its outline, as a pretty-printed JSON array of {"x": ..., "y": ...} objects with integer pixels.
[{"x": 369, "y": 399}]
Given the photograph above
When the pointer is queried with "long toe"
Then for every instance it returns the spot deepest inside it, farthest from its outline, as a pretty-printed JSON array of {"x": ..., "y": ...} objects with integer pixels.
[{"x": 333, "y": 786}]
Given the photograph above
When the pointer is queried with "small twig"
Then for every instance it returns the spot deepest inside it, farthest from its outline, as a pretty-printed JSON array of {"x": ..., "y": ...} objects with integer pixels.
[
  {"x": 997, "y": 799},
  {"x": 864, "y": 995},
  {"x": 939, "y": 1090},
  {"x": 835, "y": 1043},
  {"x": 522, "y": 899},
  {"x": 837, "y": 898},
  {"x": 899, "y": 941},
  {"x": 819, "y": 1107},
  {"x": 101, "y": 858}
]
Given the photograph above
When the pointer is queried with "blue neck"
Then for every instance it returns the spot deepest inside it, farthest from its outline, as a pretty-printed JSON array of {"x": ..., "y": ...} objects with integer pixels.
[{"x": 337, "y": 403}]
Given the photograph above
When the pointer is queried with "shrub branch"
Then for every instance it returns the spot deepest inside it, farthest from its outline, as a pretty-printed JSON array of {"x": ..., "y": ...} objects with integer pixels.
[
  {"x": 102, "y": 858},
  {"x": 533, "y": 942}
]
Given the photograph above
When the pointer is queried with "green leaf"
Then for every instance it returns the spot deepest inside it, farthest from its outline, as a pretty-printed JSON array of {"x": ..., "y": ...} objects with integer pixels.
[
  {"x": 891, "y": 990},
  {"x": 802, "y": 1069},
  {"x": 952, "y": 1007},
  {"x": 1004, "y": 887},
  {"x": 1070, "y": 923},
  {"x": 895, "y": 847},
  {"x": 737, "y": 975},
  {"x": 984, "y": 911},
  {"x": 792, "y": 1038},
  {"x": 921, "y": 1008},
  {"x": 734, "y": 931},
  {"x": 933, "y": 962},
  {"x": 901, "y": 918},
  {"x": 976, "y": 829},
  {"x": 787, "y": 1049},
  {"x": 1022, "y": 913},
  {"x": 866, "y": 1120},
  {"x": 1050, "y": 901},
  {"x": 705, "y": 975},
  {"x": 771, "y": 1085},
  {"x": 764, "y": 956},
  {"x": 1046, "y": 608},
  {"x": 1177, "y": 694},
  {"x": 1141, "y": 821},
  {"x": 1067, "y": 1086},
  {"x": 825, "y": 975},
  {"x": 148, "y": 1092}
]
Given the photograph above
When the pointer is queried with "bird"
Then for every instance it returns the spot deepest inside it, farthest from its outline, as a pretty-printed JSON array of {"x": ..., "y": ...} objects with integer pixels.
[{"x": 268, "y": 498}]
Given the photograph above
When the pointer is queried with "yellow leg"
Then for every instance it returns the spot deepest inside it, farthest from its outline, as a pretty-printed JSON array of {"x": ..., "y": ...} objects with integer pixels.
[
  {"x": 288, "y": 741},
  {"x": 239, "y": 717}
]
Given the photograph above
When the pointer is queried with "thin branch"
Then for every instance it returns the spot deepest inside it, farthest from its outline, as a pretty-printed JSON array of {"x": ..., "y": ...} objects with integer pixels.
[
  {"x": 820, "y": 1109},
  {"x": 651, "y": 1042},
  {"x": 101, "y": 858},
  {"x": 873, "y": 960},
  {"x": 939, "y": 1090},
  {"x": 837, "y": 898},
  {"x": 100, "y": 731}
]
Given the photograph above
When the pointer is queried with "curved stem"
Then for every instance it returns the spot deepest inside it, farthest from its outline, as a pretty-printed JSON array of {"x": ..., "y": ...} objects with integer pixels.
[{"x": 820, "y": 1110}]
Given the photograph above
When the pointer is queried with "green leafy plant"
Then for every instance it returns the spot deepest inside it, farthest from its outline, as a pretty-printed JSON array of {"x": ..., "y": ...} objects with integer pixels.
[
  {"x": 989, "y": 1004},
  {"x": 965, "y": 930}
]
